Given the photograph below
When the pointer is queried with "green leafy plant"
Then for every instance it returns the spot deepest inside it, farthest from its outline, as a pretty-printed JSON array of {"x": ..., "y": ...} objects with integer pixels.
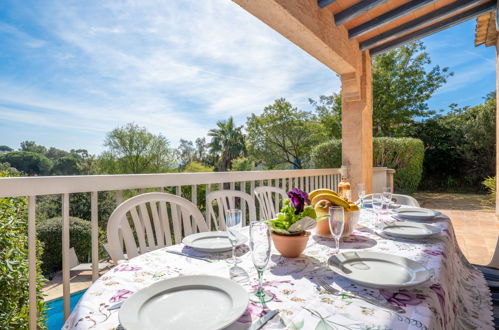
[
  {"x": 296, "y": 216},
  {"x": 490, "y": 184},
  {"x": 14, "y": 302}
]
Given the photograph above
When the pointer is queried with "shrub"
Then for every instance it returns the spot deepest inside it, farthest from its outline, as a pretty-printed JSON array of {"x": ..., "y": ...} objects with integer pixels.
[
  {"x": 490, "y": 184},
  {"x": 14, "y": 294},
  {"x": 50, "y": 206},
  {"x": 327, "y": 154},
  {"x": 50, "y": 234},
  {"x": 402, "y": 154}
]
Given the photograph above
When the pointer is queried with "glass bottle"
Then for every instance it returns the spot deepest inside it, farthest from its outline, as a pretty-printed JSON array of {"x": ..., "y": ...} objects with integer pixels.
[{"x": 344, "y": 189}]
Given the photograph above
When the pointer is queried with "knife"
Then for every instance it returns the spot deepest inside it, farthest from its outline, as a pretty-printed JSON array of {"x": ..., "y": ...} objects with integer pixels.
[
  {"x": 188, "y": 256},
  {"x": 263, "y": 320}
]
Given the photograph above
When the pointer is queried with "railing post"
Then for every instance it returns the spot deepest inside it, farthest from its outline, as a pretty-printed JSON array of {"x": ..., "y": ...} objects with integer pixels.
[
  {"x": 65, "y": 255},
  {"x": 94, "y": 205},
  {"x": 32, "y": 262}
]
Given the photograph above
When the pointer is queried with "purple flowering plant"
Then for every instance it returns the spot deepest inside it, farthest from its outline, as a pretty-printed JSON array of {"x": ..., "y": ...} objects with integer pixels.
[{"x": 296, "y": 216}]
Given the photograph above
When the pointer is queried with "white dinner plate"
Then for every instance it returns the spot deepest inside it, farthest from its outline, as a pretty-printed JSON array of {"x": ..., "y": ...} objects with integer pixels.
[
  {"x": 379, "y": 270},
  {"x": 212, "y": 241},
  {"x": 415, "y": 213},
  {"x": 185, "y": 302},
  {"x": 406, "y": 229}
]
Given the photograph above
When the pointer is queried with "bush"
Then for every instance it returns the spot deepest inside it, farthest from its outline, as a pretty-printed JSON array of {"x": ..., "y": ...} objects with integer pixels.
[
  {"x": 50, "y": 234},
  {"x": 14, "y": 295},
  {"x": 50, "y": 206},
  {"x": 490, "y": 184},
  {"x": 402, "y": 154},
  {"x": 327, "y": 154}
]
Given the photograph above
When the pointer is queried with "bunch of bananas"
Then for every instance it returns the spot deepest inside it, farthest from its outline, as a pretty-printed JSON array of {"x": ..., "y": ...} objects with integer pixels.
[{"x": 322, "y": 200}]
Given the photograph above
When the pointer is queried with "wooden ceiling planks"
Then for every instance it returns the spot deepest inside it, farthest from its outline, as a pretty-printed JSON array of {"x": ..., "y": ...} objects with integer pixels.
[{"x": 391, "y": 20}]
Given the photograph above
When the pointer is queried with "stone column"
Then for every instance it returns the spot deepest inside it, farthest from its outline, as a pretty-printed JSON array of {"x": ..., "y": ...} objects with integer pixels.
[{"x": 356, "y": 123}]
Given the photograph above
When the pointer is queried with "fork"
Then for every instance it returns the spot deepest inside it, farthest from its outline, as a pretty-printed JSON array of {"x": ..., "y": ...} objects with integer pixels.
[{"x": 372, "y": 301}]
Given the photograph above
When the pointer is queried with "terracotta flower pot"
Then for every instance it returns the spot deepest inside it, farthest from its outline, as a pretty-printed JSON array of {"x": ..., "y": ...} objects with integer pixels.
[{"x": 290, "y": 246}]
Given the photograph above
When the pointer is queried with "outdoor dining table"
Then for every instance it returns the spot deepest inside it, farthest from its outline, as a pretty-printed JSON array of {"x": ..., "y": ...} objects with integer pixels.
[{"x": 455, "y": 297}]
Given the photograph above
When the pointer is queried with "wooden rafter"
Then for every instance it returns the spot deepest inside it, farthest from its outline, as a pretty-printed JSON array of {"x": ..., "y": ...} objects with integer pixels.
[
  {"x": 436, "y": 27},
  {"x": 417, "y": 23}
]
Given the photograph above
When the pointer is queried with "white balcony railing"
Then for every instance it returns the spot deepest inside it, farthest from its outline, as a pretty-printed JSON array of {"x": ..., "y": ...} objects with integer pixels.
[{"x": 65, "y": 185}]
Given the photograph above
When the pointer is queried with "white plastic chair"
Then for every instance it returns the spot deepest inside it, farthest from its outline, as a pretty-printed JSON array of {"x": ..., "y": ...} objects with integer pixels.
[
  {"x": 222, "y": 200},
  {"x": 270, "y": 201},
  {"x": 158, "y": 220},
  {"x": 399, "y": 199}
]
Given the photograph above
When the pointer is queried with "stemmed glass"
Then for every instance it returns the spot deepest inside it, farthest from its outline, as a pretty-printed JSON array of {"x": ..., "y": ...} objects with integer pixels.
[
  {"x": 232, "y": 226},
  {"x": 361, "y": 191},
  {"x": 377, "y": 204},
  {"x": 260, "y": 246},
  {"x": 387, "y": 198},
  {"x": 336, "y": 224}
]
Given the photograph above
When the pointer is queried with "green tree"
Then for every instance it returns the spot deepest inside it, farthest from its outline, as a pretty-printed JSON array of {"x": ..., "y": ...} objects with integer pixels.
[
  {"x": 460, "y": 146},
  {"x": 186, "y": 153},
  {"x": 55, "y": 154},
  {"x": 27, "y": 162},
  {"x": 242, "y": 164},
  {"x": 283, "y": 135},
  {"x": 132, "y": 149},
  {"x": 31, "y": 146},
  {"x": 6, "y": 149},
  {"x": 227, "y": 143},
  {"x": 67, "y": 165},
  {"x": 402, "y": 85},
  {"x": 328, "y": 111}
]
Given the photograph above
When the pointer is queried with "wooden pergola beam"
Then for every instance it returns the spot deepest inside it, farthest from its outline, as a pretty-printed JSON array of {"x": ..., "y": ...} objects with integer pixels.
[
  {"x": 356, "y": 10},
  {"x": 311, "y": 28},
  {"x": 416, "y": 23},
  {"x": 324, "y": 3},
  {"x": 388, "y": 17},
  {"x": 436, "y": 27}
]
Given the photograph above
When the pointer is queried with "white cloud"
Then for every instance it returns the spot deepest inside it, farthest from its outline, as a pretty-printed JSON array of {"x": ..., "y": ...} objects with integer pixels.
[{"x": 175, "y": 67}]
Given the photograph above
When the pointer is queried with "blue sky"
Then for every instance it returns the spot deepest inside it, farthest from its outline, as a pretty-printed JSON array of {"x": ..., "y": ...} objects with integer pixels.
[{"x": 71, "y": 71}]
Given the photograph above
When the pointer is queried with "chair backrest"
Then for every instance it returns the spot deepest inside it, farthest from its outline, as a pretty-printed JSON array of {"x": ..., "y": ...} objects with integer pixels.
[
  {"x": 270, "y": 200},
  {"x": 222, "y": 200},
  {"x": 399, "y": 199},
  {"x": 405, "y": 200},
  {"x": 157, "y": 219}
]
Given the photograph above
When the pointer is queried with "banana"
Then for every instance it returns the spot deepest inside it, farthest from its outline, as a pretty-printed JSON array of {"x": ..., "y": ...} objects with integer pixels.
[
  {"x": 316, "y": 192},
  {"x": 336, "y": 200},
  {"x": 353, "y": 207}
]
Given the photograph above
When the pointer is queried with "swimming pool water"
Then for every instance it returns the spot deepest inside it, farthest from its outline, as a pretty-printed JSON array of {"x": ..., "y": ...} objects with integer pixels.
[{"x": 55, "y": 310}]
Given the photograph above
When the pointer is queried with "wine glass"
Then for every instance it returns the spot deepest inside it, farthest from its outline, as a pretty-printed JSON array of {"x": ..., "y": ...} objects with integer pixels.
[
  {"x": 377, "y": 204},
  {"x": 232, "y": 226},
  {"x": 361, "y": 191},
  {"x": 336, "y": 224},
  {"x": 387, "y": 198},
  {"x": 260, "y": 246}
]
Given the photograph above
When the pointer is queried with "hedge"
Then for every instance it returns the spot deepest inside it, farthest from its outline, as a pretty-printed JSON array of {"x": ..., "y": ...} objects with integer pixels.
[
  {"x": 14, "y": 295},
  {"x": 50, "y": 234},
  {"x": 402, "y": 154}
]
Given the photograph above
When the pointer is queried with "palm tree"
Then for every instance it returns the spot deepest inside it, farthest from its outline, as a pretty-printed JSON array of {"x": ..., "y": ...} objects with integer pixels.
[{"x": 227, "y": 143}]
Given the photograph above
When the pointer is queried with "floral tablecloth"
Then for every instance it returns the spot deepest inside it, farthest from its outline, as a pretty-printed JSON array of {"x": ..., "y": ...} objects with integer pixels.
[{"x": 456, "y": 296}]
